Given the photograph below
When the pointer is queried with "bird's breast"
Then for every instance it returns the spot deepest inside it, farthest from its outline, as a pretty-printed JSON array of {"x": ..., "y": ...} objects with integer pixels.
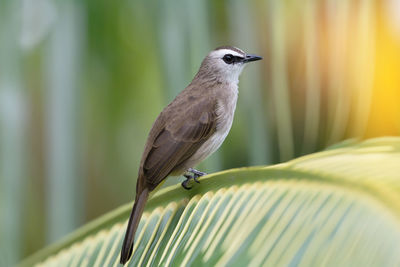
[{"x": 225, "y": 112}]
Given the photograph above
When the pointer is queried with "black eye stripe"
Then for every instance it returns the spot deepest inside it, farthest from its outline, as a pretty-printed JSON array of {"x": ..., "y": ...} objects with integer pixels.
[{"x": 231, "y": 59}]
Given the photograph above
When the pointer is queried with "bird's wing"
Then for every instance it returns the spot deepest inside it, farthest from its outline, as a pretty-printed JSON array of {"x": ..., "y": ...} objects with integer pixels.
[{"x": 179, "y": 139}]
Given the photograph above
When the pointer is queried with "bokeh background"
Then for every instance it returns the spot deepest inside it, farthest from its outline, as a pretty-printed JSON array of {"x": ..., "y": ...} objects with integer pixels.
[{"x": 82, "y": 81}]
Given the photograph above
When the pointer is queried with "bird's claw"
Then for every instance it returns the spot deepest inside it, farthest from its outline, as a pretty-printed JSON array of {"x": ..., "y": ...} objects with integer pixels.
[
  {"x": 185, "y": 184},
  {"x": 195, "y": 176}
]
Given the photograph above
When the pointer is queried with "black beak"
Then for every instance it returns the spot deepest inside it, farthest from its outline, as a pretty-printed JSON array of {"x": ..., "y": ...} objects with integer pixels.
[{"x": 250, "y": 58}]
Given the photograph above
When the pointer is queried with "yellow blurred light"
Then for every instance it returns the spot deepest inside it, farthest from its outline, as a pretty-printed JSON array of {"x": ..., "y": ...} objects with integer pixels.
[{"x": 385, "y": 107}]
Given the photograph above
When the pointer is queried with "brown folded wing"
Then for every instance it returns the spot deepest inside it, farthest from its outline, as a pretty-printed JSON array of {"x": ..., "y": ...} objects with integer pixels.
[{"x": 178, "y": 140}]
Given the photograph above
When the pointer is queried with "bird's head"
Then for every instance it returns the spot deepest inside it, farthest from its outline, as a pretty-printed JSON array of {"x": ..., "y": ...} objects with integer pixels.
[{"x": 226, "y": 63}]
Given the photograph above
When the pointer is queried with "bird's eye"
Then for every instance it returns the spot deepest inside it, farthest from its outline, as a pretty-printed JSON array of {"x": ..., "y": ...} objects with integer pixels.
[{"x": 228, "y": 58}]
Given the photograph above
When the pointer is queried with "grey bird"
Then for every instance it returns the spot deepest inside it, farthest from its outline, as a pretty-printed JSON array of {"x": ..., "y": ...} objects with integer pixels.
[{"x": 189, "y": 129}]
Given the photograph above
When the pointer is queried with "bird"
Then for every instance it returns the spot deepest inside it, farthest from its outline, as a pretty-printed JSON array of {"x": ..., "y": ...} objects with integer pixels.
[{"x": 189, "y": 129}]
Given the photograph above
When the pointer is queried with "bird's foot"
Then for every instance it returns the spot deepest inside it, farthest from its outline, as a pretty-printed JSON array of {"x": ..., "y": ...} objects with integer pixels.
[
  {"x": 195, "y": 176},
  {"x": 186, "y": 182}
]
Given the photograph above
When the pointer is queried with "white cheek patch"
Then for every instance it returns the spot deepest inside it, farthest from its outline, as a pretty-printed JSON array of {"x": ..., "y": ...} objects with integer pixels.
[{"x": 230, "y": 72}]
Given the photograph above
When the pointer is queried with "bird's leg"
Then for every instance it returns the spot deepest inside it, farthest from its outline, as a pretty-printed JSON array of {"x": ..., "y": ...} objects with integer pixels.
[{"x": 196, "y": 174}]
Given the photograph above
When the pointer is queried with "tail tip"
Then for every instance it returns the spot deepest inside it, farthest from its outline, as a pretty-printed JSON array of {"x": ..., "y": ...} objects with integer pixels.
[
  {"x": 123, "y": 260},
  {"x": 125, "y": 255}
]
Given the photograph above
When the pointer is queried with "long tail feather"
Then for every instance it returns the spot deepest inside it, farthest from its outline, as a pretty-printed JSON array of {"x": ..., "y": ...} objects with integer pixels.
[{"x": 136, "y": 214}]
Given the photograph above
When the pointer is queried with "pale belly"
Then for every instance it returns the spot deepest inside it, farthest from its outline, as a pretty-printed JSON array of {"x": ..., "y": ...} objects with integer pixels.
[{"x": 209, "y": 147}]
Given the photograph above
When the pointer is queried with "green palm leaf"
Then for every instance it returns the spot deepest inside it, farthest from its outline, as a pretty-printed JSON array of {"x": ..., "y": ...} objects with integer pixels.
[{"x": 340, "y": 207}]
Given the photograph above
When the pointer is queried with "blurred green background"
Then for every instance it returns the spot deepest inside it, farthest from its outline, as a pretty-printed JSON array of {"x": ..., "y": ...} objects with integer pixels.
[{"x": 81, "y": 83}]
